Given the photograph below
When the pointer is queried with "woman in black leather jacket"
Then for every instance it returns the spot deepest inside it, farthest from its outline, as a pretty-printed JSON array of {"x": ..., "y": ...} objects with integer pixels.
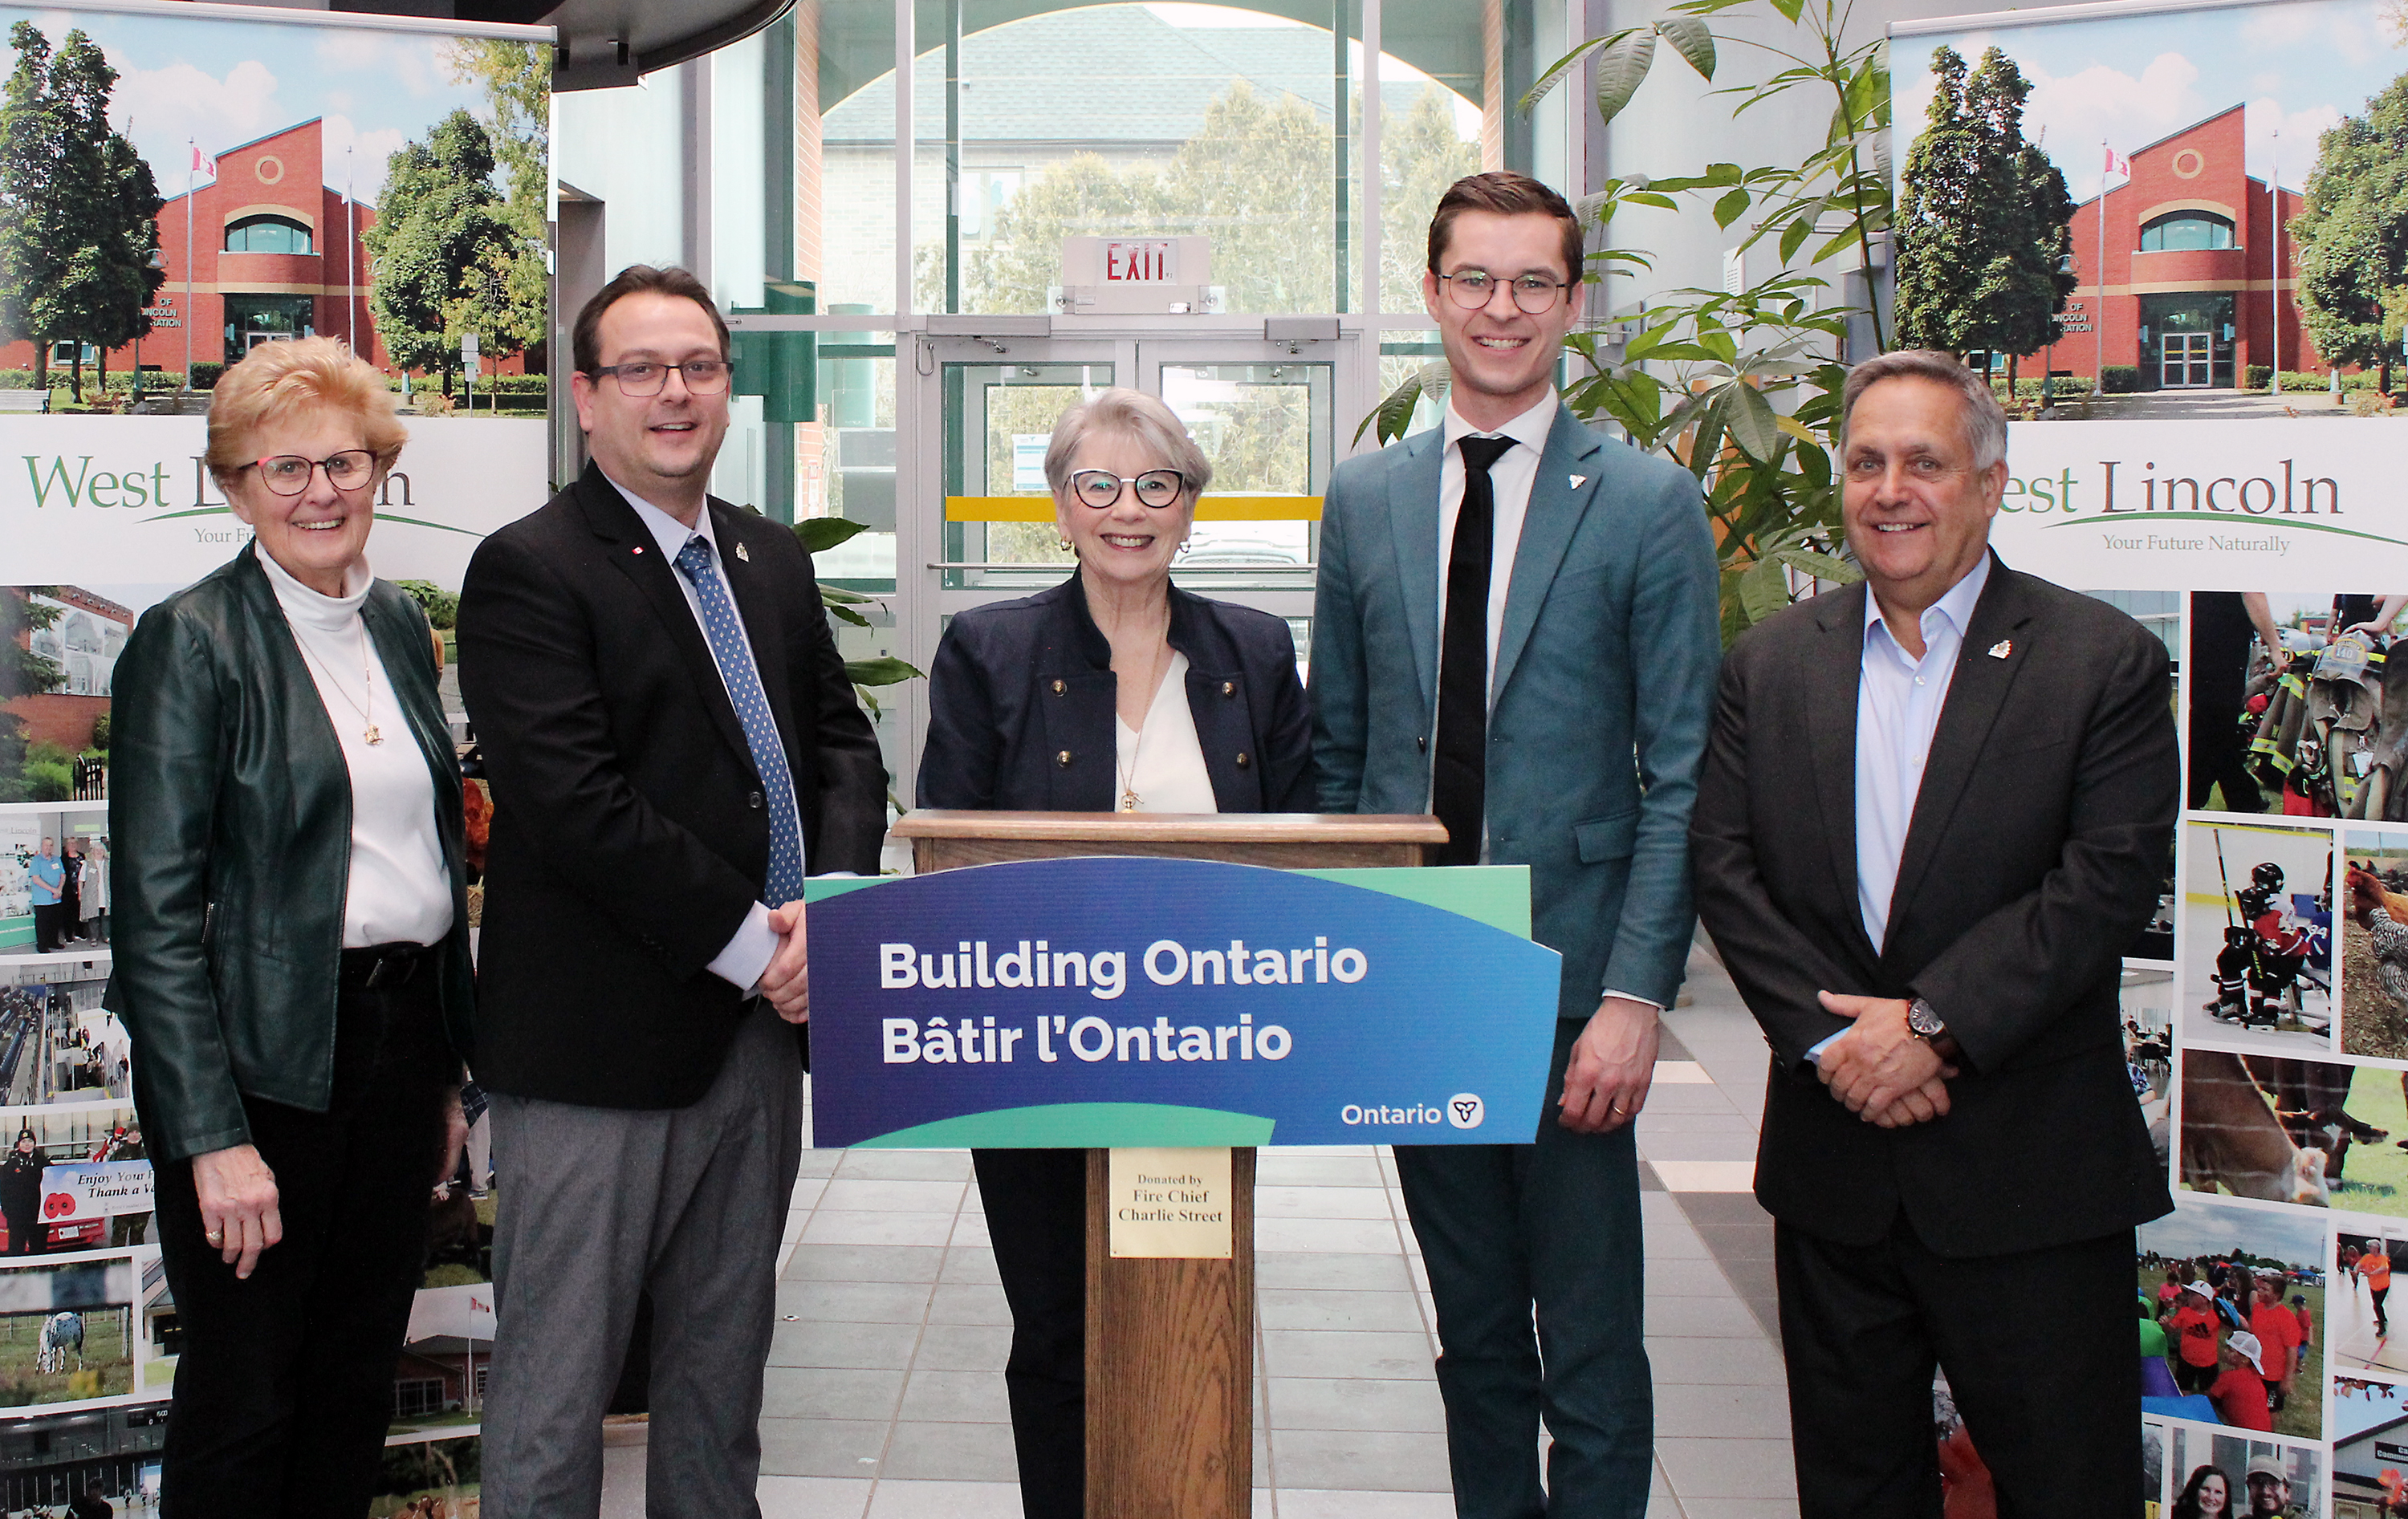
[
  {"x": 292, "y": 954},
  {"x": 1115, "y": 691}
]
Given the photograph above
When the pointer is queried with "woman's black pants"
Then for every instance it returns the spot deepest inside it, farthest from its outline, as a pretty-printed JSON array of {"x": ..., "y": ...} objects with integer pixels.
[
  {"x": 1036, "y": 1203},
  {"x": 285, "y": 1383}
]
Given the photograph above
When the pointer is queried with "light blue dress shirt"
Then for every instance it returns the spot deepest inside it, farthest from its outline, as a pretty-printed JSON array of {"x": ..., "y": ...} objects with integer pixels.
[{"x": 1899, "y": 702}]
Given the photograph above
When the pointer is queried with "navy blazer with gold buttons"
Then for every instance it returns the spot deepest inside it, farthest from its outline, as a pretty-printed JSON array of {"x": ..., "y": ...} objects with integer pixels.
[{"x": 1022, "y": 696}]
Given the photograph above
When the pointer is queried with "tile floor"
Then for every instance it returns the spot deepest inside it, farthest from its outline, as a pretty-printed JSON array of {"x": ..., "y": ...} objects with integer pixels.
[{"x": 885, "y": 1394}]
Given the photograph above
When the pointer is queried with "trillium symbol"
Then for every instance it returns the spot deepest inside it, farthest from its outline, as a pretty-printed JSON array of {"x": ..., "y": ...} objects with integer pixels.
[{"x": 1465, "y": 1109}]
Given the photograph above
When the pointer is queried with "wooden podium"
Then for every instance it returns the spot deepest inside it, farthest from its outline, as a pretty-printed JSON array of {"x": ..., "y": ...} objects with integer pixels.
[{"x": 1171, "y": 1374}]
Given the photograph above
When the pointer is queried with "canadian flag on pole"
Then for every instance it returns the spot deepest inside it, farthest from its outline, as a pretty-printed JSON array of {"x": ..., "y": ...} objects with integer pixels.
[
  {"x": 203, "y": 165},
  {"x": 2118, "y": 163}
]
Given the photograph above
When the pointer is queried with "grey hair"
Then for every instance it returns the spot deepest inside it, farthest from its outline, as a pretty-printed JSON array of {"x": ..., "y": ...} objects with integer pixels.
[
  {"x": 1983, "y": 419},
  {"x": 1131, "y": 414}
]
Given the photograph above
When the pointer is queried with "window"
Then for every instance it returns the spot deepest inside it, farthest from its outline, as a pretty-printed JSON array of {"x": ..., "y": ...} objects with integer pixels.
[
  {"x": 415, "y": 1395},
  {"x": 266, "y": 234},
  {"x": 2186, "y": 230}
]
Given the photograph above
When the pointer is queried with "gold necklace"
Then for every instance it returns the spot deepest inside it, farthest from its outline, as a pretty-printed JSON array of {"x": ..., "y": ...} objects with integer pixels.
[
  {"x": 371, "y": 735},
  {"x": 1130, "y": 802}
]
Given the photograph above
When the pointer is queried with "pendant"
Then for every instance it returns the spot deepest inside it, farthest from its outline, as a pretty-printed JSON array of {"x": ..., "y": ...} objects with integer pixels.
[
  {"x": 1128, "y": 801},
  {"x": 374, "y": 736}
]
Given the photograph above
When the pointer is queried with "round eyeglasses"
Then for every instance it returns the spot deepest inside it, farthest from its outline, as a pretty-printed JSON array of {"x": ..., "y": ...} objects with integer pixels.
[
  {"x": 1533, "y": 293},
  {"x": 287, "y": 474},
  {"x": 1100, "y": 488},
  {"x": 703, "y": 377}
]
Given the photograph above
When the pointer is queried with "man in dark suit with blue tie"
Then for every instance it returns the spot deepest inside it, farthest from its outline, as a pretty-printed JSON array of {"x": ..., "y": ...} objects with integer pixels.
[
  {"x": 1934, "y": 816},
  {"x": 1516, "y": 629},
  {"x": 672, "y": 743}
]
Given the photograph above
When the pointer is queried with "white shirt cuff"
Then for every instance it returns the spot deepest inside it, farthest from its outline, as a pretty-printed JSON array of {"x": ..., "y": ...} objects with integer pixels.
[
  {"x": 1633, "y": 997},
  {"x": 1814, "y": 1055},
  {"x": 747, "y": 955}
]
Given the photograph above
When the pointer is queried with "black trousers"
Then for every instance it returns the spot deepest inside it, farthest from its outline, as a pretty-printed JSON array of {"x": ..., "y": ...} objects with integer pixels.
[
  {"x": 1036, "y": 1203},
  {"x": 285, "y": 1385},
  {"x": 2038, "y": 1349},
  {"x": 50, "y": 921}
]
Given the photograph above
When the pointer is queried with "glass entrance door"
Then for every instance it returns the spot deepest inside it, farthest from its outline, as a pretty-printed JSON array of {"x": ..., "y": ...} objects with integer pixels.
[
  {"x": 2186, "y": 360},
  {"x": 1264, "y": 413}
]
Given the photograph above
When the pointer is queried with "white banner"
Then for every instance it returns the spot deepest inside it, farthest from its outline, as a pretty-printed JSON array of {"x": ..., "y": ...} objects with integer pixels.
[
  {"x": 2167, "y": 506},
  {"x": 95, "y": 1189},
  {"x": 130, "y": 494}
]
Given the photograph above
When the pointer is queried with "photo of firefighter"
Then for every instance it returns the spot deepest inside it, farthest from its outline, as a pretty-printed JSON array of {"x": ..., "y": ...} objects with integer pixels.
[
  {"x": 2257, "y": 938},
  {"x": 2291, "y": 709},
  {"x": 2374, "y": 943},
  {"x": 2316, "y": 1133}
]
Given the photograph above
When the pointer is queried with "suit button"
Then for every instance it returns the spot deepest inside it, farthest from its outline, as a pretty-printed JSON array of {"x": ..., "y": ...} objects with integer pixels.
[
  {"x": 1229, "y": 688},
  {"x": 1059, "y": 688},
  {"x": 753, "y": 800},
  {"x": 1242, "y": 760},
  {"x": 1420, "y": 743},
  {"x": 1063, "y": 759}
]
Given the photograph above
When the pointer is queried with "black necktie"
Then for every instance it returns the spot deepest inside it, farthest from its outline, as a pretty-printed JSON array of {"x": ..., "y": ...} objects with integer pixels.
[{"x": 1459, "y": 776}]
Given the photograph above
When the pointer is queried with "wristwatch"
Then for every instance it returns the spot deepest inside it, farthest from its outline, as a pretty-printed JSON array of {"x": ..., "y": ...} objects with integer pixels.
[{"x": 1924, "y": 1023}]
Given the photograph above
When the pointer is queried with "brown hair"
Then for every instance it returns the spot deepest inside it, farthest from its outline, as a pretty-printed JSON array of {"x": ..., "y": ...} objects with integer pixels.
[
  {"x": 310, "y": 374},
  {"x": 1983, "y": 419},
  {"x": 1504, "y": 192},
  {"x": 586, "y": 338}
]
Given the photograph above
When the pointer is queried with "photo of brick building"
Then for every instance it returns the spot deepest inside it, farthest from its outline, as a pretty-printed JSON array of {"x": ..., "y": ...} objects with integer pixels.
[{"x": 2197, "y": 279}]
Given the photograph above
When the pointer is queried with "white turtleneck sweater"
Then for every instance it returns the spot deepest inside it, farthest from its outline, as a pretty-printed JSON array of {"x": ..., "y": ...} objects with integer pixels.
[{"x": 400, "y": 890}]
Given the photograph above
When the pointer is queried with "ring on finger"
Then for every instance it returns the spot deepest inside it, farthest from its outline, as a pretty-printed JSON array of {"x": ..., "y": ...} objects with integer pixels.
[{"x": 215, "y": 1237}]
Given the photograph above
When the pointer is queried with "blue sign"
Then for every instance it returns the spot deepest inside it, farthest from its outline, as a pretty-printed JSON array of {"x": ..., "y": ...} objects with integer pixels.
[{"x": 1107, "y": 1002}]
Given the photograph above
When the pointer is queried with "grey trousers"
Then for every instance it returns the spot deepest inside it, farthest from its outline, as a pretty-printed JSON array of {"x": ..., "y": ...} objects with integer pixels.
[{"x": 596, "y": 1203}]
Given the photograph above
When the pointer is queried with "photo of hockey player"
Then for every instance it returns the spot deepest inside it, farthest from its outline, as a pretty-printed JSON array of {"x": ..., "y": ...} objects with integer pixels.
[
  {"x": 2374, "y": 943},
  {"x": 2291, "y": 706},
  {"x": 2257, "y": 938}
]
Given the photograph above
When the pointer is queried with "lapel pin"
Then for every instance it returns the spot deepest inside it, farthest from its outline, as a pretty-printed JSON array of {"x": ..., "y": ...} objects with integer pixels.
[
  {"x": 2001, "y": 649},
  {"x": 638, "y": 548},
  {"x": 1579, "y": 480},
  {"x": 744, "y": 553}
]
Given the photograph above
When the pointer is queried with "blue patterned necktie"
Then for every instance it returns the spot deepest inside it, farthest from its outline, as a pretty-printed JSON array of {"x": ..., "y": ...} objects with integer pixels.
[{"x": 734, "y": 656}]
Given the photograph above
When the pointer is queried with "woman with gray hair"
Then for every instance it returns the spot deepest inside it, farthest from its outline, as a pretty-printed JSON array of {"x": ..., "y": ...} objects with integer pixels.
[{"x": 1113, "y": 692}]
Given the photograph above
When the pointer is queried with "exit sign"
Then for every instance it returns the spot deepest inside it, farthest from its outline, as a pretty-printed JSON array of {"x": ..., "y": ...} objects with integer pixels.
[{"x": 1152, "y": 261}]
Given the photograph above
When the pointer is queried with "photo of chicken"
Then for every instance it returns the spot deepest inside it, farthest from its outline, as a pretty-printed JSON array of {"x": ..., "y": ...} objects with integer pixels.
[{"x": 2374, "y": 944}]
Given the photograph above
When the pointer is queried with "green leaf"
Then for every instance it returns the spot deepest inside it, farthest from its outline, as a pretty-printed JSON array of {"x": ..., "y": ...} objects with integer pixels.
[
  {"x": 1620, "y": 67},
  {"x": 1793, "y": 236},
  {"x": 1750, "y": 417},
  {"x": 879, "y": 672},
  {"x": 837, "y": 593},
  {"x": 1763, "y": 588},
  {"x": 821, "y": 534},
  {"x": 1693, "y": 40},
  {"x": 846, "y": 615},
  {"x": 1823, "y": 567},
  {"x": 1562, "y": 66},
  {"x": 1732, "y": 206}
]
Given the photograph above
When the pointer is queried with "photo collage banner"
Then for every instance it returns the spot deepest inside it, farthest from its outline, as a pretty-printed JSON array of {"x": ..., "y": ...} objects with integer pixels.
[
  {"x": 2204, "y": 438},
  {"x": 272, "y": 149}
]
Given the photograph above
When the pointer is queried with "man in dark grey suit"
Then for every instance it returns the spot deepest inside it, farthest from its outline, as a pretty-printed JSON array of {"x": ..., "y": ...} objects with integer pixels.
[
  {"x": 1515, "y": 627},
  {"x": 672, "y": 742},
  {"x": 1936, "y": 809}
]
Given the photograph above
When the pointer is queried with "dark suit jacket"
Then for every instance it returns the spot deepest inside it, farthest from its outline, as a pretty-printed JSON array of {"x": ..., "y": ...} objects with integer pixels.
[
  {"x": 2033, "y": 856},
  {"x": 1021, "y": 697},
  {"x": 630, "y": 834}
]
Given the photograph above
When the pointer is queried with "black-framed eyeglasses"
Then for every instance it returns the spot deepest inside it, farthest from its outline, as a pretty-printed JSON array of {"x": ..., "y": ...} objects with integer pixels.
[
  {"x": 1535, "y": 294},
  {"x": 703, "y": 377},
  {"x": 287, "y": 474},
  {"x": 1100, "y": 488}
]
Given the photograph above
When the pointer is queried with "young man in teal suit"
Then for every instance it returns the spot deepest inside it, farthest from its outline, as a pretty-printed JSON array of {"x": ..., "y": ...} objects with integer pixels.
[{"x": 1516, "y": 629}]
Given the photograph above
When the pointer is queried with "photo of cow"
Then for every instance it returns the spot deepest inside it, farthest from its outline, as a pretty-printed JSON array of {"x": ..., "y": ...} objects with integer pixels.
[
  {"x": 2318, "y": 1133},
  {"x": 68, "y": 1331}
]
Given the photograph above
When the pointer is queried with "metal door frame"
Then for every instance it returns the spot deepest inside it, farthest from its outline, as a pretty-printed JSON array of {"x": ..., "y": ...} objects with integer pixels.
[{"x": 1137, "y": 349}]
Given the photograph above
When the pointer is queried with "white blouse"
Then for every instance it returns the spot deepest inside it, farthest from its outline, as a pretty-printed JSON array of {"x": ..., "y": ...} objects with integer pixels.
[
  {"x": 1165, "y": 762},
  {"x": 400, "y": 890}
]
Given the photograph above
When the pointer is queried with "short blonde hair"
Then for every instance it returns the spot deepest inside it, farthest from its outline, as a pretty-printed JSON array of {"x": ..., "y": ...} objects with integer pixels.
[
  {"x": 276, "y": 380},
  {"x": 1131, "y": 414}
]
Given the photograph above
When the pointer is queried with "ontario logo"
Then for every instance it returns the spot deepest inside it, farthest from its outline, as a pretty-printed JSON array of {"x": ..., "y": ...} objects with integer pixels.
[{"x": 1462, "y": 1111}]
